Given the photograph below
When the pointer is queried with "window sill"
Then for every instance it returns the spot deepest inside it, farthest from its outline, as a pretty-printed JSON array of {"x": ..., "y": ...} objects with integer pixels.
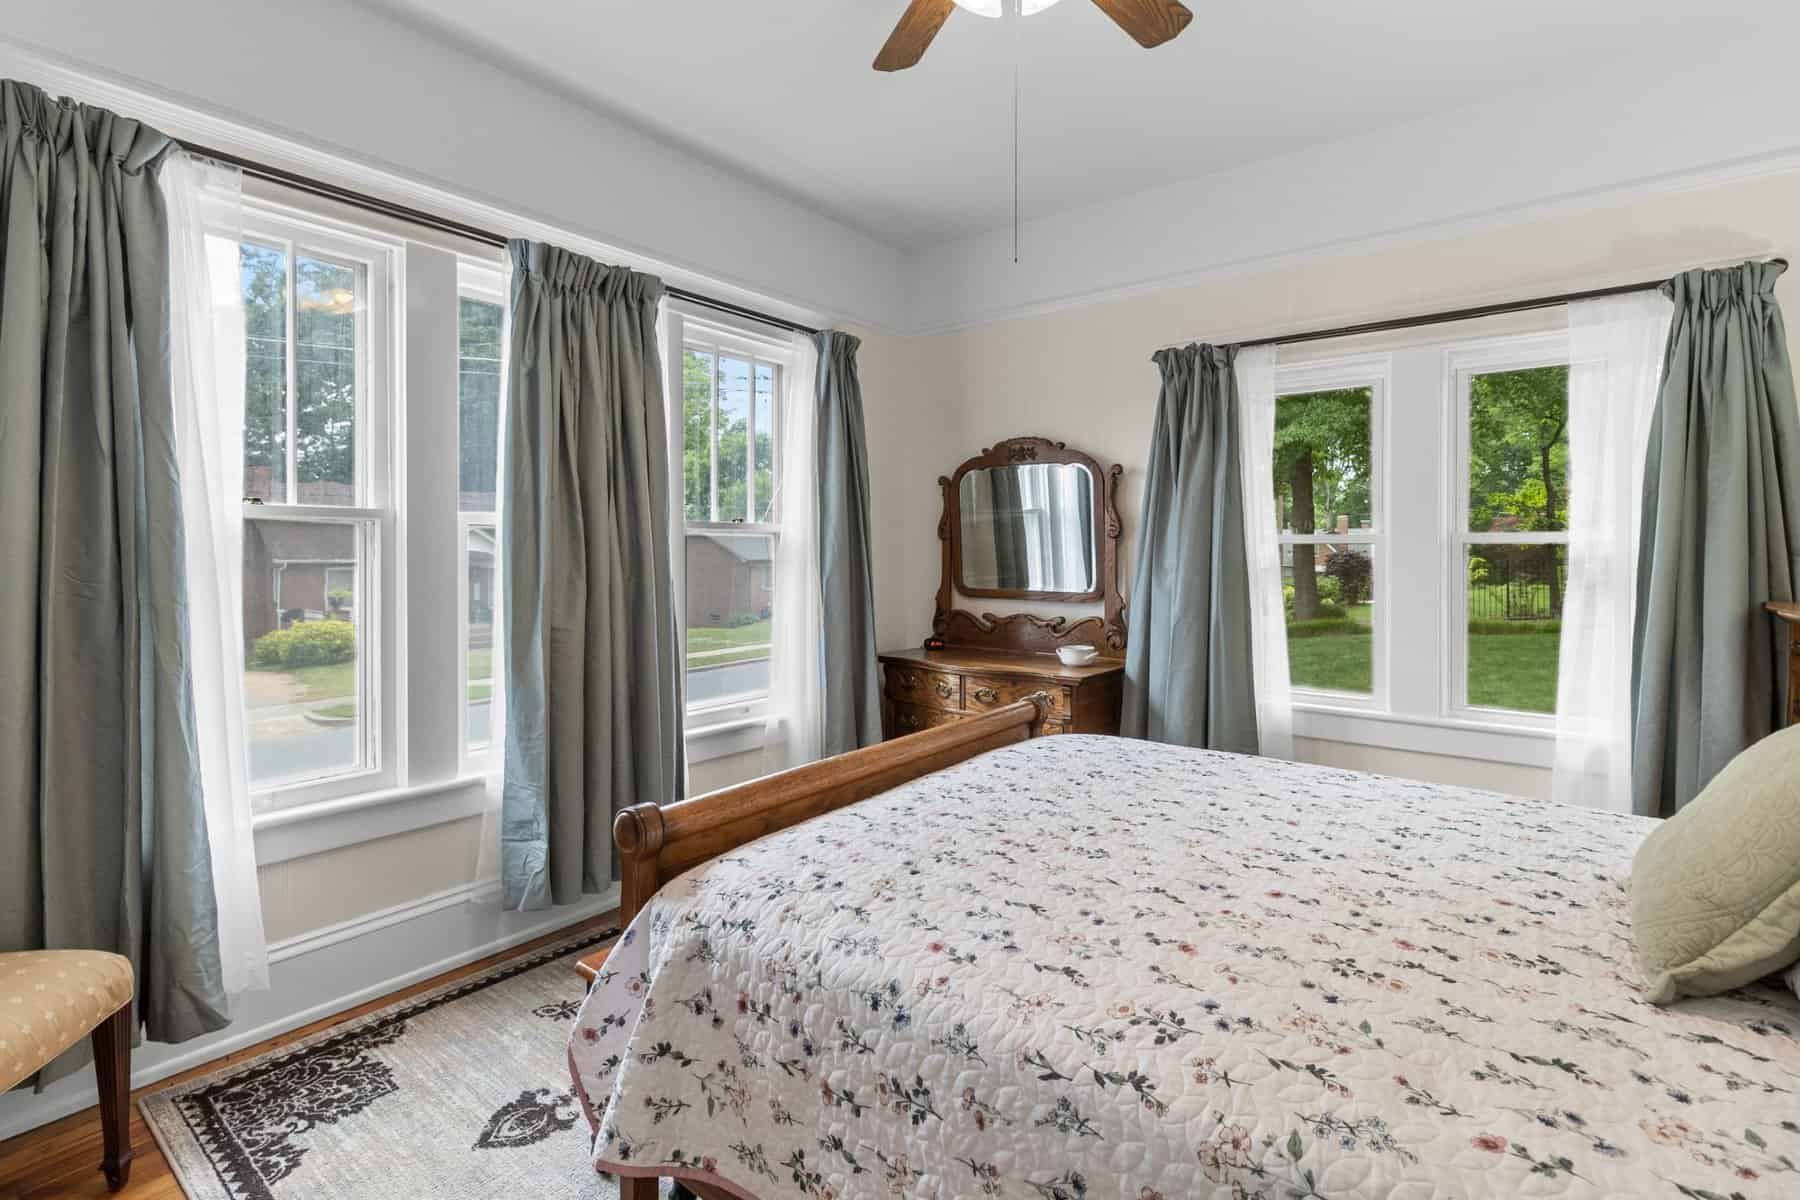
[
  {"x": 332, "y": 824},
  {"x": 1520, "y": 745},
  {"x": 722, "y": 738}
]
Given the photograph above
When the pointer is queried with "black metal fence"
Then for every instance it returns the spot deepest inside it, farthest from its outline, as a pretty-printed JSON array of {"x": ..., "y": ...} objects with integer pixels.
[{"x": 1517, "y": 583}]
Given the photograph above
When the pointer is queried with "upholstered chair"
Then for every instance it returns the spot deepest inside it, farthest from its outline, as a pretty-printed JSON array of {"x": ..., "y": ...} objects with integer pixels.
[{"x": 51, "y": 999}]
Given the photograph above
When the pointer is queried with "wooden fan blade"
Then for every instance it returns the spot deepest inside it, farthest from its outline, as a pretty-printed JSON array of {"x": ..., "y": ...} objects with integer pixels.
[
  {"x": 912, "y": 36},
  {"x": 1150, "y": 22}
]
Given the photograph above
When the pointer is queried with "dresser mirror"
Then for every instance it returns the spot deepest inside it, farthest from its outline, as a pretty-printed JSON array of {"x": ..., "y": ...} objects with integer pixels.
[
  {"x": 1031, "y": 519},
  {"x": 1029, "y": 530}
]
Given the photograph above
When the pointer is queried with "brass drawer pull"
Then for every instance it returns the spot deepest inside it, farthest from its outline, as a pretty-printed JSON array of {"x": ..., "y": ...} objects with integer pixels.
[
  {"x": 909, "y": 720},
  {"x": 945, "y": 690},
  {"x": 907, "y": 680},
  {"x": 986, "y": 695}
]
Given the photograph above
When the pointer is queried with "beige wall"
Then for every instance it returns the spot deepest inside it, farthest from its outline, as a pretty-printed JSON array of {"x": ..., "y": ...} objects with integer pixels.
[
  {"x": 304, "y": 894},
  {"x": 1082, "y": 374}
]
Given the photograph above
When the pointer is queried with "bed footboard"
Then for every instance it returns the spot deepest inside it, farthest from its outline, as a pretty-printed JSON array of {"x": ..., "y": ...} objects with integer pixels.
[{"x": 658, "y": 842}]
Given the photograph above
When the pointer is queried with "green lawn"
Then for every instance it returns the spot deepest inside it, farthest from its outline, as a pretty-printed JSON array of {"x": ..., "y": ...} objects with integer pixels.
[
  {"x": 334, "y": 682},
  {"x": 1514, "y": 670},
  {"x": 711, "y": 646},
  {"x": 338, "y": 680}
]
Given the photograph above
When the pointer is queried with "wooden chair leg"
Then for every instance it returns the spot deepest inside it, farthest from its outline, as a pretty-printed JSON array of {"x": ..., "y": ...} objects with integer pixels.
[
  {"x": 636, "y": 1189},
  {"x": 112, "y": 1067}
]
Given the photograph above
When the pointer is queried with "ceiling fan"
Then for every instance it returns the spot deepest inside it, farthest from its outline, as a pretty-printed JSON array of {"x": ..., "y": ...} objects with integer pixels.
[{"x": 1150, "y": 22}]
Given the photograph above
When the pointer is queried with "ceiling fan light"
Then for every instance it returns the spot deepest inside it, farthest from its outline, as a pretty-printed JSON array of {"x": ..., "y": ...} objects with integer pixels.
[{"x": 994, "y": 8}]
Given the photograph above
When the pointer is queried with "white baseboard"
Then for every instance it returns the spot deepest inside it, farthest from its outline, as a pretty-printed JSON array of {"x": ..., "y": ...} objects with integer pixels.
[{"x": 325, "y": 972}]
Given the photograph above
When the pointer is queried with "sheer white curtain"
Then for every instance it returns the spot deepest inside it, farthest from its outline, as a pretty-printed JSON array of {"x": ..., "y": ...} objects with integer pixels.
[
  {"x": 1616, "y": 347},
  {"x": 206, "y": 354},
  {"x": 796, "y": 726},
  {"x": 1254, "y": 369}
]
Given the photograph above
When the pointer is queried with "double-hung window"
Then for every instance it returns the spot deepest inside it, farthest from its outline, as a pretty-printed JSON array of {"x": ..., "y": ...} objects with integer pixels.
[
  {"x": 1509, "y": 551},
  {"x": 1327, "y": 455},
  {"x": 370, "y": 498},
  {"x": 726, "y": 381},
  {"x": 1422, "y": 493},
  {"x": 319, "y": 509}
]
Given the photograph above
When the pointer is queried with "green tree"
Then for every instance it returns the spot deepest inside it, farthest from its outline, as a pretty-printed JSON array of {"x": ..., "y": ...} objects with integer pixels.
[
  {"x": 326, "y": 297},
  {"x": 1321, "y": 470},
  {"x": 1519, "y": 458},
  {"x": 480, "y": 329},
  {"x": 263, "y": 271}
]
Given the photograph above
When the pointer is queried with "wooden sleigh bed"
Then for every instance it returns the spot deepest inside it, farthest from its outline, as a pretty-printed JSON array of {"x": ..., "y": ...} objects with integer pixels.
[
  {"x": 656, "y": 843},
  {"x": 1084, "y": 967}
]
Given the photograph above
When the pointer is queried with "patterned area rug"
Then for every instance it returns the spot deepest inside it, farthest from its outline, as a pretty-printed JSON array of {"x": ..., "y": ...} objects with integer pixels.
[{"x": 456, "y": 1093}]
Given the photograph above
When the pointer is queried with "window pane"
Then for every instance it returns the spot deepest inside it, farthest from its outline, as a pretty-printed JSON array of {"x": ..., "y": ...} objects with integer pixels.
[
  {"x": 730, "y": 597},
  {"x": 765, "y": 440},
  {"x": 1330, "y": 595},
  {"x": 1322, "y": 482},
  {"x": 733, "y": 435},
  {"x": 696, "y": 425},
  {"x": 478, "y": 403},
  {"x": 1515, "y": 625},
  {"x": 264, "y": 275},
  {"x": 327, "y": 299},
  {"x": 1519, "y": 450},
  {"x": 480, "y": 579},
  {"x": 302, "y": 629}
]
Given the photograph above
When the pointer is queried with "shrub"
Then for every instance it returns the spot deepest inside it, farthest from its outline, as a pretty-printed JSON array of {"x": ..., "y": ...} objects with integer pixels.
[
  {"x": 1514, "y": 627},
  {"x": 305, "y": 644},
  {"x": 1330, "y": 589},
  {"x": 1352, "y": 570},
  {"x": 1339, "y": 626}
]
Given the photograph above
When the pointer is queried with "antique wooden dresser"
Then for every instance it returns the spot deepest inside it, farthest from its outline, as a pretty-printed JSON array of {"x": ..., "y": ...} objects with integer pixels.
[
  {"x": 923, "y": 688},
  {"x": 1026, "y": 519}
]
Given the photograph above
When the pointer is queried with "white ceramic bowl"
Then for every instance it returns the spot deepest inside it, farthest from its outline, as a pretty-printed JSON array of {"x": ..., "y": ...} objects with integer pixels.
[{"x": 1077, "y": 656}]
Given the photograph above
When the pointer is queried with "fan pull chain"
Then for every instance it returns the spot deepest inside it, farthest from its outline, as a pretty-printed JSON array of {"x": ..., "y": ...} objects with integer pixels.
[
  {"x": 1015, "y": 15},
  {"x": 1015, "y": 164}
]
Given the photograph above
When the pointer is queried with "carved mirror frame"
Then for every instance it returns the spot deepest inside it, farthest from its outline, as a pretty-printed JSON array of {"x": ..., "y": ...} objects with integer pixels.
[{"x": 1027, "y": 632}]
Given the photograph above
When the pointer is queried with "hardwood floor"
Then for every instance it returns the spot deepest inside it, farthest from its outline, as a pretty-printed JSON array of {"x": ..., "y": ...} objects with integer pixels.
[{"x": 62, "y": 1159}]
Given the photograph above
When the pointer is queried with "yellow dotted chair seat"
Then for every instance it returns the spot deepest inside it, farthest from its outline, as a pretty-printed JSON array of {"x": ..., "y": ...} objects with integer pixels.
[{"x": 51, "y": 999}]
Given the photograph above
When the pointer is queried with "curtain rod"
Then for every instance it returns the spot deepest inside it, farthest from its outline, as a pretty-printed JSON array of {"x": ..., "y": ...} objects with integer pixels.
[
  {"x": 474, "y": 233},
  {"x": 1459, "y": 314}
]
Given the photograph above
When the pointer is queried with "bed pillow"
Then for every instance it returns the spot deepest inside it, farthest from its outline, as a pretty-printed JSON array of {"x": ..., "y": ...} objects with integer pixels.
[{"x": 1715, "y": 891}]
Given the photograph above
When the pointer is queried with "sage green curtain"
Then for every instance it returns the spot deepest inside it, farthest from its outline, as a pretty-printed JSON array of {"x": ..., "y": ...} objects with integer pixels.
[
  {"x": 102, "y": 827},
  {"x": 593, "y": 671},
  {"x": 1720, "y": 536},
  {"x": 1188, "y": 673},
  {"x": 852, "y": 700}
]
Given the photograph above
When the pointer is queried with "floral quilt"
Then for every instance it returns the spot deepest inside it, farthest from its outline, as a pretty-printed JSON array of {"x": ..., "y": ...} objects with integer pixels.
[{"x": 1089, "y": 967}]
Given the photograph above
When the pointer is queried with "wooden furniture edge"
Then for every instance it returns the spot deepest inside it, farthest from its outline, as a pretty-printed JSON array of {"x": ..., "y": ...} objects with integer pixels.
[{"x": 658, "y": 842}]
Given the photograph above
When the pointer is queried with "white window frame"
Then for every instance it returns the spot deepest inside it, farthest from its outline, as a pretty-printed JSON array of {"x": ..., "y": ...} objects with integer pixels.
[
  {"x": 1462, "y": 362},
  {"x": 486, "y": 283},
  {"x": 375, "y": 512},
  {"x": 422, "y": 776},
  {"x": 1371, "y": 372},
  {"x": 1419, "y": 457},
  {"x": 735, "y": 724}
]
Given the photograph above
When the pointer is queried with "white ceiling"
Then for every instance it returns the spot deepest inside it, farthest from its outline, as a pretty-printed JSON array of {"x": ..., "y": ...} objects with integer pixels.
[{"x": 782, "y": 90}]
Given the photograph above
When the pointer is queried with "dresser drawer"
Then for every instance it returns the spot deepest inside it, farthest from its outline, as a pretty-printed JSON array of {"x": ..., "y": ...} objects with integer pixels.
[
  {"x": 913, "y": 718},
  {"x": 932, "y": 689},
  {"x": 983, "y": 693}
]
